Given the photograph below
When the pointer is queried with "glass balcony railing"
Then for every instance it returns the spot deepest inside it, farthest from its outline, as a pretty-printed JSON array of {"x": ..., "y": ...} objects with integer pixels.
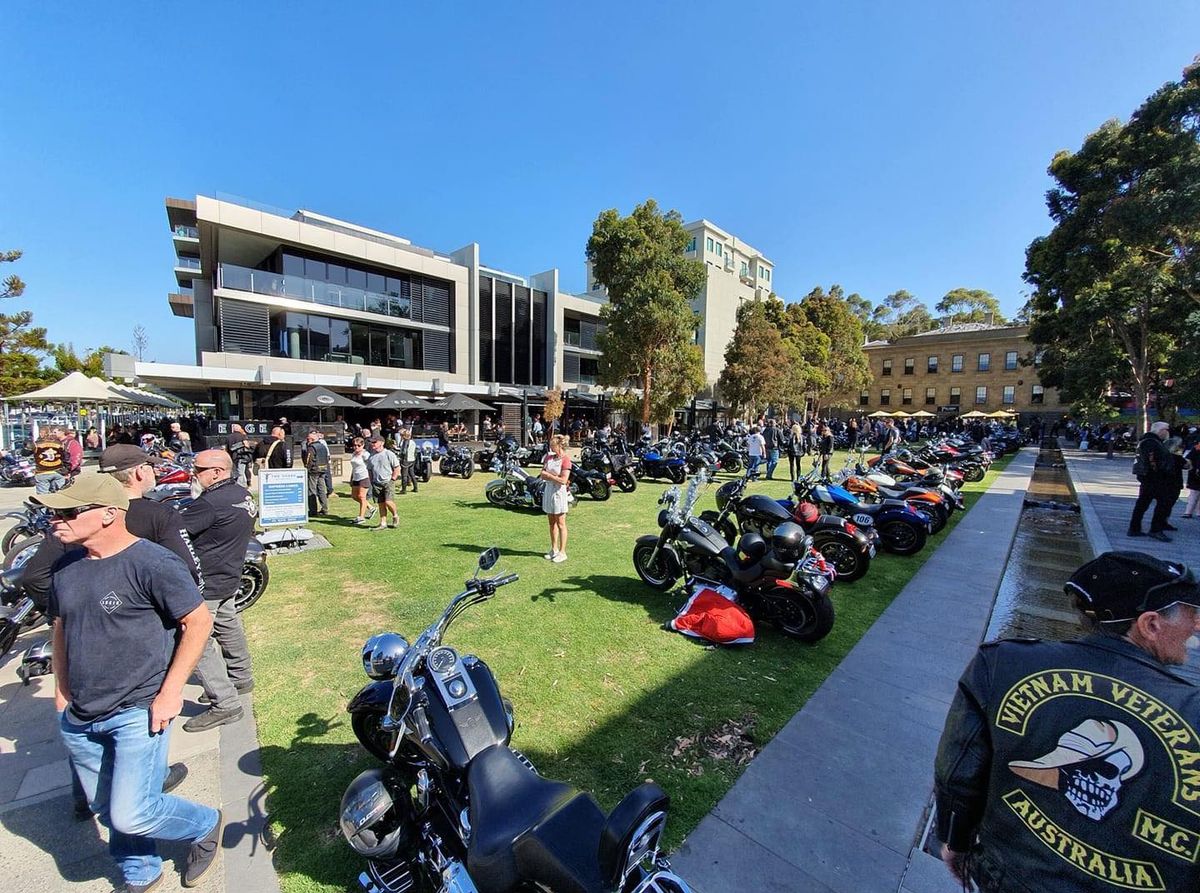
[
  {"x": 188, "y": 263},
  {"x": 571, "y": 338},
  {"x": 262, "y": 282},
  {"x": 186, "y": 232}
]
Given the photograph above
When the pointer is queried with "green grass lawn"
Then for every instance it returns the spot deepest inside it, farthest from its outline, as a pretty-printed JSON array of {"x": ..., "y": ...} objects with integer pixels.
[{"x": 604, "y": 697}]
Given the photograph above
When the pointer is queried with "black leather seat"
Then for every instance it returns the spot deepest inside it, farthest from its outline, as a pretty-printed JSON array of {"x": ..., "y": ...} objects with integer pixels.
[{"x": 528, "y": 828}]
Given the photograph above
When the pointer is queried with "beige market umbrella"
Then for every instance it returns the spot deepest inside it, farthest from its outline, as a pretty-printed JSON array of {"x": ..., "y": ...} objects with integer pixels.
[
  {"x": 923, "y": 414},
  {"x": 974, "y": 414},
  {"x": 901, "y": 414},
  {"x": 1001, "y": 414},
  {"x": 880, "y": 414}
]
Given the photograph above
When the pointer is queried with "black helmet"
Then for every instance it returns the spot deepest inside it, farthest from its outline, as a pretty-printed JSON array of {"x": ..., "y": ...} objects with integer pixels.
[
  {"x": 373, "y": 822},
  {"x": 508, "y": 444},
  {"x": 789, "y": 542},
  {"x": 752, "y": 546},
  {"x": 904, "y": 455}
]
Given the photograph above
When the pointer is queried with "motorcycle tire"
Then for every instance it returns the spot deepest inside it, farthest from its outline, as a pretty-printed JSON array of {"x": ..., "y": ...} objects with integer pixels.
[
  {"x": 655, "y": 576},
  {"x": 676, "y": 474},
  {"x": 251, "y": 586},
  {"x": 803, "y": 615},
  {"x": 601, "y": 491},
  {"x": 8, "y": 636},
  {"x": 973, "y": 474},
  {"x": 427, "y": 473},
  {"x": 497, "y": 495},
  {"x": 902, "y": 538},
  {"x": 626, "y": 481},
  {"x": 11, "y": 536},
  {"x": 444, "y": 468},
  {"x": 468, "y": 471},
  {"x": 22, "y": 551},
  {"x": 732, "y": 465},
  {"x": 374, "y": 740},
  {"x": 847, "y": 560},
  {"x": 726, "y": 528}
]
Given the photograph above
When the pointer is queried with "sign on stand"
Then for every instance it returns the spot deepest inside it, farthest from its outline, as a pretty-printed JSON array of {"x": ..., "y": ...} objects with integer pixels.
[{"x": 282, "y": 497}]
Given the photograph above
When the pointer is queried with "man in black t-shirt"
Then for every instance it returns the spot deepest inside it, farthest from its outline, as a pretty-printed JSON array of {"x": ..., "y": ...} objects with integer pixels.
[{"x": 129, "y": 627}]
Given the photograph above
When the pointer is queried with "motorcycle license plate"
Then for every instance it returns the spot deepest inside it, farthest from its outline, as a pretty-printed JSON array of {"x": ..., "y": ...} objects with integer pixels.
[{"x": 871, "y": 551}]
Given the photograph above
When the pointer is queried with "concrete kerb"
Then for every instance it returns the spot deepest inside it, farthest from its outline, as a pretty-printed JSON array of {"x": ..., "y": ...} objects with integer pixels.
[
  {"x": 1098, "y": 540},
  {"x": 806, "y": 840}
]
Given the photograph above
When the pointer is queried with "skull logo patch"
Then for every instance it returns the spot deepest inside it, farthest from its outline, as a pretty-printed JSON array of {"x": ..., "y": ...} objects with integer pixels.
[{"x": 1089, "y": 765}]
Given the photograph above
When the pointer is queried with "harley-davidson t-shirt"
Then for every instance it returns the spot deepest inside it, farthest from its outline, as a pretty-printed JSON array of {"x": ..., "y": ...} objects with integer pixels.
[{"x": 120, "y": 615}]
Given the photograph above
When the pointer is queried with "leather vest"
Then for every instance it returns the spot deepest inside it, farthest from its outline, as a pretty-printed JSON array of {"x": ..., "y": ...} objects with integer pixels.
[
  {"x": 49, "y": 455},
  {"x": 1084, "y": 774}
]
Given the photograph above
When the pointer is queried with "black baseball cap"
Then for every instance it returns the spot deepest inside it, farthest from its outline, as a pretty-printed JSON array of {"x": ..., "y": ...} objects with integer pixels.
[{"x": 1121, "y": 585}]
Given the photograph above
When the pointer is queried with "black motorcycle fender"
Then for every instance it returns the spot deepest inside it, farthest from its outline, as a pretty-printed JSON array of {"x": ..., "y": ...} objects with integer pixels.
[
  {"x": 372, "y": 698},
  {"x": 668, "y": 553}
]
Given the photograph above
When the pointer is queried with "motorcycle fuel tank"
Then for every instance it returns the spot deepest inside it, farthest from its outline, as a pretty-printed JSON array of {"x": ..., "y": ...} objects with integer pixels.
[{"x": 465, "y": 711}]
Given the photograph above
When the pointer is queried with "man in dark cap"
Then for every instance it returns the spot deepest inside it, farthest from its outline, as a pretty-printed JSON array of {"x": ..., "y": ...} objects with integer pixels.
[{"x": 1076, "y": 765}]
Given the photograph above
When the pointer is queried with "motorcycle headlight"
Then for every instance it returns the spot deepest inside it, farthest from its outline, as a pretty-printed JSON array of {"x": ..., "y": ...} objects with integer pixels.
[{"x": 382, "y": 653}]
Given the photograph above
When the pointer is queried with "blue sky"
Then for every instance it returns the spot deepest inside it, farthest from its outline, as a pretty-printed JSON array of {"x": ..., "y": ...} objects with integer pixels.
[{"x": 876, "y": 145}]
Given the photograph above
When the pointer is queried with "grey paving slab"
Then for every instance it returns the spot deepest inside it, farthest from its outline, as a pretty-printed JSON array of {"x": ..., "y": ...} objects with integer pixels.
[
  {"x": 927, "y": 874},
  {"x": 842, "y": 790},
  {"x": 728, "y": 860},
  {"x": 44, "y": 778}
]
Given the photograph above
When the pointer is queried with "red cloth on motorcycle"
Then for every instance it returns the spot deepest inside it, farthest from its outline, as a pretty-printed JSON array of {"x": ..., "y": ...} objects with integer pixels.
[
  {"x": 711, "y": 616},
  {"x": 807, "y": 513}
]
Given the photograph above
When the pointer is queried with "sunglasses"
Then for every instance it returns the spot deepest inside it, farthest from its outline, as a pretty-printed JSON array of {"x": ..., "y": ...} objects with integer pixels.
[
  {"x": 196, "y": 469},
  {"x": 73, "y": 513}
]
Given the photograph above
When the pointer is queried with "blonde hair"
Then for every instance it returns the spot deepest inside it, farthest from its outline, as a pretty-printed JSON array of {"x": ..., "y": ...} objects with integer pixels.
[{"x": 560, "y": 440}]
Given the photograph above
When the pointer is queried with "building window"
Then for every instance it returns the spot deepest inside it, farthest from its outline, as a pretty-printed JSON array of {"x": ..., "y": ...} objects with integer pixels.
[
  {"x": 955, "y": 396},
  {"x": 985, "y": 362},
  {"x": 745, "y": 269},
  {"x": 956, "y": 363},
  {"x": 906, "y": 396},
  {"x": 864, "y": 398},
  {"x": 1010, "y": 394},
  {"x": 931, "y": 396},
  {"x": 718, "y": 249},
  {"x": 981, "y": 395},
  {"x": 1037, "y": 357},
  {"x": 1038, "y": 395},
  {"x": 708, "y": 244},
  {"x": 909, "y": 365},
  {"x": 1010, "y": 360},
  {"x": 767, "y": 274},
  {"x": 691, "y": 245},
  {"x": 887, "y": 367},
  {"x": 931, "y": 366},
  {"x": 885, "y": 397}
]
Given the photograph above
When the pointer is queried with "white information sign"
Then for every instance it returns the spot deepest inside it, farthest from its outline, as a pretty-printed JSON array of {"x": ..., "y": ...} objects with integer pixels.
[{"x": 282, "y": 497}]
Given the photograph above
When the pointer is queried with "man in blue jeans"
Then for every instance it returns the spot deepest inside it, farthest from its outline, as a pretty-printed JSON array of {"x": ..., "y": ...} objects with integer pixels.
[{"x": 129, "y": 628}]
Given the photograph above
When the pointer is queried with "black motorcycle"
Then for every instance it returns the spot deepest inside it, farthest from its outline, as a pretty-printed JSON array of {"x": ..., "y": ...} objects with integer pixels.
[
  {"x": 593, "y": 483},
  {"x": 455, "y": 809},
  {"x": 423, "y": 465},
  {"x": 30, "y": 521},
  {"x": 515, "y": 488},
  {"x": 18, "y": 612},
  {"x": 615, "y": 466},
  {"x": 457, "y": 460},
  {"x": 773, "y": 581},
  {"x": 846, "y": 546}
]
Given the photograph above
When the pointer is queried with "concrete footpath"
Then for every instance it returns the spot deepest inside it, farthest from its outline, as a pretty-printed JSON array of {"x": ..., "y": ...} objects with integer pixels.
[
  {"x": 43, "y": 847},
  {"x": 837, "y": 800}
]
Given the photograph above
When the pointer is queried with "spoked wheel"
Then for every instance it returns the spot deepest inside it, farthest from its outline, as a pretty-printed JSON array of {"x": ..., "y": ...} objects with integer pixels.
[
  {"x": 251, "y": 586},
  {"x": 732, "y": 465},
  {"x": 654, "y": 572},
  {"x": 497, "y": 494},
  {"x": 973, "y": 473},
  {"x": 676, "y": 473},
  {"x": 805, "y": 616},
  {"x": 846, "y": 559},
  {"x": 626, "y": 481},
  {"x": 902, "y": 538},
  {"x": 468, "y": 471},
  {"x": 602, "y": 490}
]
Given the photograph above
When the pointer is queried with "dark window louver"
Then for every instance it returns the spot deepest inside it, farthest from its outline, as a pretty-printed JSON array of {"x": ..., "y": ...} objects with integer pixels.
[
  {"x": 486, "y": 334},
  {"x": 436, "y": 301},
  {"x": 570, "y": 366},
  {"x": 244, "y": 327},
  {"x": 437, "y": 351},
  {"x": 504, "y": 332},
  {"x": 539, "y": 338},
  {"x": 521, "y": 333}
]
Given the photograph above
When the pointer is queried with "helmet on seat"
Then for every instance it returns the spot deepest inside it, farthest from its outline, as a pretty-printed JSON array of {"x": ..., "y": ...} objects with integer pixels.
[
  {"x": 752, "y": 546},
  {"x": 789, "y": 542}
]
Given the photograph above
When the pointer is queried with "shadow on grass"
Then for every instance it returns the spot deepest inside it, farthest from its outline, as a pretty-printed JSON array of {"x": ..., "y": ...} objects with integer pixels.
[
  {"x": 477, "y": 548},
  {"x": 660, "y": 606}
]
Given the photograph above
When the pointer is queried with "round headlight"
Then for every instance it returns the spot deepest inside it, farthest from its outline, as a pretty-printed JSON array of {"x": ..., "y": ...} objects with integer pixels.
[{"x": 388, "y": 650}]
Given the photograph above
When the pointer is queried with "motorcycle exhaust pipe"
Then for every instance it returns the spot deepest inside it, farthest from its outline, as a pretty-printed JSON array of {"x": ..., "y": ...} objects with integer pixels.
[{"x": 22, "y": 610}]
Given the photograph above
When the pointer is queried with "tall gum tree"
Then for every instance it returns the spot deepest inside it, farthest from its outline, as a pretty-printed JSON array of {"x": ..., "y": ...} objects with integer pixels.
[
  {"x": 649, "y": 322},
  {"x": 1119, "y": 273}
]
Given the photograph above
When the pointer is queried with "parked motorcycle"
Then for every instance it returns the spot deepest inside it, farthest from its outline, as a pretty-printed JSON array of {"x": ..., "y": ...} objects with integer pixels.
[
  {"x": 593, "y": 483},
  {"x": 614, "y": 466},
  {"x": 455, "y": 809},
  {"x": 457, "y": 460},
  {"x": 423, "y": 466},
  {"x": 515, "y": 488},
  {"x": 653, "y": 462},
  {"x": 773, "y": 582},
  {"x": 17, "y": 471},
  {"x": 843, "y": 544},
  {"x": 729, "y": 456},
  {"x": 902, "y": 530},
  {"x": 31, "y": 520},
  {"x": 17, "y": 610}
]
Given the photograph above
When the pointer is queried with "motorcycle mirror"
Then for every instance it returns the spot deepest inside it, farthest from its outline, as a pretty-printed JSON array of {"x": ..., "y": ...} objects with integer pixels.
[{"x": 488, "y": 558}]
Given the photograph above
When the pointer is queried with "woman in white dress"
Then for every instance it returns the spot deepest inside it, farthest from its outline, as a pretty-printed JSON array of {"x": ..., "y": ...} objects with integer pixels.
[{"x": 556, "y": 472}]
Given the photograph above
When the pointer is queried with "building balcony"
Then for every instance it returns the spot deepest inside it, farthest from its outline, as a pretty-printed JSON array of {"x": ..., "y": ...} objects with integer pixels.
[
  {"x": 182, "y": 304},
  {"x": 186, "y": 238},
  {"x": 315, "y": 291},
  {"x": 186, "y": 269}
]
